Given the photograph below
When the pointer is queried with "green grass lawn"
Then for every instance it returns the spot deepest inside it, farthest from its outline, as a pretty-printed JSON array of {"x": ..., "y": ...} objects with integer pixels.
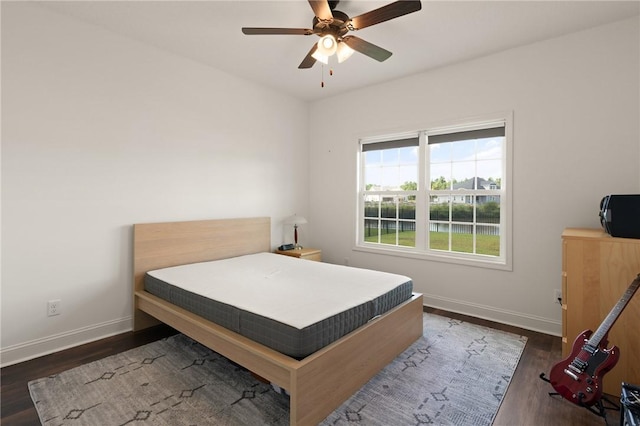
[{"x": 485, "y": 244}]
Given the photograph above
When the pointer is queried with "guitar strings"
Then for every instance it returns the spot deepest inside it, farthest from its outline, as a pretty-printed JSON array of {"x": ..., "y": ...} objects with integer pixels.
[{"x": 632, "y": 394}]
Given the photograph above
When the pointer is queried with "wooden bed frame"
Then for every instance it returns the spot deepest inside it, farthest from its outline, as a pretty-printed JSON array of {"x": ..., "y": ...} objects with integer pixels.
[{"x": 317, "y": 384}]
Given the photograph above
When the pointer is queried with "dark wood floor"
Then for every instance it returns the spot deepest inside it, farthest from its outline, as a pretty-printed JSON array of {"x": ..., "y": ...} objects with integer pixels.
[{"x": 526, "y": 403}]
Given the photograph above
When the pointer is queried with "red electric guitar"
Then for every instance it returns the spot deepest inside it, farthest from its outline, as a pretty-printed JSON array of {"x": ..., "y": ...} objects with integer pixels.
[{"x": 578, "y": 378}]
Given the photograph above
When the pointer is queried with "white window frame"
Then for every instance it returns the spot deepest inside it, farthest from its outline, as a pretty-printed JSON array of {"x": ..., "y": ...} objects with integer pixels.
[{"x": 421, "y": 250}]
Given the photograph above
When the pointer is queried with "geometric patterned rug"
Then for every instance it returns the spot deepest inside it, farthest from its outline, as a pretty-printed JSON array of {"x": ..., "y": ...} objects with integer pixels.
[{"x": 456, "y": 374}]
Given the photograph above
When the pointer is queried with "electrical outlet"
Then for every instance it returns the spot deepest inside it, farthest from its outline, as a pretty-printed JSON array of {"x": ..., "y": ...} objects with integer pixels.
[
  {"x": 53, "y": 307},
  {"x": 557, "y": 296}
]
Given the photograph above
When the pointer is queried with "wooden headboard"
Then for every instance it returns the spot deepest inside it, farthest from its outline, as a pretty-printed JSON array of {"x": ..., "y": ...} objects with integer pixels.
[{"x": 160, "y": 245}]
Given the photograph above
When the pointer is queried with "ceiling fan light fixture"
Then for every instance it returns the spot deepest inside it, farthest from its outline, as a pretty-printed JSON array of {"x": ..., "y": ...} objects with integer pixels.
[
  {"x": 327, "y": 45},
  {"x": 320, "y": 57},
  {"x": 343, "y": 52},
  {"x": 332, "y": 26}
]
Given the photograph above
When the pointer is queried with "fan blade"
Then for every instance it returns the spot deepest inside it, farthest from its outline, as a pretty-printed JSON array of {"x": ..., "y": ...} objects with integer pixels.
[
  {"x": 309, "y": 60},
  {"x": 366, "y": 48},
  {"x": 321, "y": 9},
  {"x": 385, "y": 13},
  {"x": 277, "y": 31}
]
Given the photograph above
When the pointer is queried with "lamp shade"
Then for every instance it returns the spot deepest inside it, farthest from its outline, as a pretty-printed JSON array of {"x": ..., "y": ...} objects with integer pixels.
[
  {"x": 320, "y": 57},
  {"x": 295, "y": 220},
  {"x": 327, "y": 45},
  {"x": 343, "y": 52}
]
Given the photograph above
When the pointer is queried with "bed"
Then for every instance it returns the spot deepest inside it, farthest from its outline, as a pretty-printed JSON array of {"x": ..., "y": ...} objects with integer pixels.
[{"x": 317, "y": 383}]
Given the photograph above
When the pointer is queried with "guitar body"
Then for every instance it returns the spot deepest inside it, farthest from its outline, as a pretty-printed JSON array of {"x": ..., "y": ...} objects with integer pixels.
[{"x": 578, "y": 378}]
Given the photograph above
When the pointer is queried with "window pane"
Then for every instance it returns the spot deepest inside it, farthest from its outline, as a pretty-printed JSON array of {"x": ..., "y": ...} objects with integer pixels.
[
  {"x": 488, "y": 210},
  {"x": 489, "y": 148},
  {"x": 407, "y": 209},
  {"x": 463, "y": 173},
  {"x": 389, "y": 169},
  {"x": 407, "y": 233},
  {"x": 373, "y": 158},
  {"x": 462, "y": 238},
  {"x": 440, "y": 153},
  {"x": 439, "y": 208},
  {"x": 440, "y": 176},
  {"x": 439, "y": 236},
  {"x": 371, "y": 230},
  {"x": 462, "y": 212},
  {"x": 491, "y": 171},
  {"x": 388, "y": 232},
  {"x": 407, "y": 222},
  {"x": 390, "y": 156},
  {"x": 488, "y": 240},
  {"x": 372, "y": 206},
  {"x": 463, "y": 150},
  {"x": 439, "y": 213},
  {"x": 388, "y": 208},
  {"x": 372, "y": 170}
]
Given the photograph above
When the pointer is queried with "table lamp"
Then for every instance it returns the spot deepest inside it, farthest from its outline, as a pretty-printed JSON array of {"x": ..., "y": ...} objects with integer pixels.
[{"x": 295, "y": 220}]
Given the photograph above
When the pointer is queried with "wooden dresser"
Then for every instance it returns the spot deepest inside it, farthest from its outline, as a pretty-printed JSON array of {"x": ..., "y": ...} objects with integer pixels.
[{"x": 596, "y": 271}]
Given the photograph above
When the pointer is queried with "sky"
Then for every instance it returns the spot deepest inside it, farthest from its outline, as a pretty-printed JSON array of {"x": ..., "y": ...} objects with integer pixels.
[{"x": 458, "y": 160}]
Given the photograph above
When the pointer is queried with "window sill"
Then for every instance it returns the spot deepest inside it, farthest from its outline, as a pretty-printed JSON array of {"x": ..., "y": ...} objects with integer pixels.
[{"x": 459, "y": 259}]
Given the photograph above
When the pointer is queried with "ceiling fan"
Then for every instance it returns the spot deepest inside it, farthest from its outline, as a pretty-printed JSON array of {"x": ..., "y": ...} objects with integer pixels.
[{"x": 332, "y": 27}]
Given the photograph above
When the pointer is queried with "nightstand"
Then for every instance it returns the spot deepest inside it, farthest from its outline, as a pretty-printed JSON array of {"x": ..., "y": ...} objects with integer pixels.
[{"x": 303, "y": 253}]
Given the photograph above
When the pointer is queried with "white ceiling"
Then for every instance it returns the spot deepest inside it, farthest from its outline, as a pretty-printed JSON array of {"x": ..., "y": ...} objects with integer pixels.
[{"x": 443, "y": 32}]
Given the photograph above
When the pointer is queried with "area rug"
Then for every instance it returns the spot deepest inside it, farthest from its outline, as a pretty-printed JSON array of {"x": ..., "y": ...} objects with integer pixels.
[{"x": 456, "y": 374}]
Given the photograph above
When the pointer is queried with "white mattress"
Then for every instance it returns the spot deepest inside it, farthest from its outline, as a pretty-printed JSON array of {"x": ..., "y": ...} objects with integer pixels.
[{"x": 293, "y": 291}]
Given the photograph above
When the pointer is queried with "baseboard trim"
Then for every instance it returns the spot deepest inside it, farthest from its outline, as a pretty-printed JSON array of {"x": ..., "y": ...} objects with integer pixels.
[
  {"x": 57, "y": 342},
  {"x": 50, "y": 344},
  {"x": 504, "y": 316}
]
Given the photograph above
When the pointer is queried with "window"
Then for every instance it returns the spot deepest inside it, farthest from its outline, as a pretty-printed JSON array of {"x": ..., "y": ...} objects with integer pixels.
[
  {"x": 390, "y": 183},
  {"x": 439, "y": 193}
]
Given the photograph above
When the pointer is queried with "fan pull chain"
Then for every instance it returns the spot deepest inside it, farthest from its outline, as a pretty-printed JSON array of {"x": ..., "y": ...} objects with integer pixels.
[{"x": 322, "y": 75}]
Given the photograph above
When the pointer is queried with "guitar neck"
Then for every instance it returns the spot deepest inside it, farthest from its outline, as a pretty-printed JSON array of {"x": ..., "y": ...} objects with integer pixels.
[{"x": 608, "y": 322}]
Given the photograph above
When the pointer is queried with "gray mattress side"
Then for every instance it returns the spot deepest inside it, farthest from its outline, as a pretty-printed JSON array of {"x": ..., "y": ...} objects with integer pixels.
[{"x": 291, "y": 341}]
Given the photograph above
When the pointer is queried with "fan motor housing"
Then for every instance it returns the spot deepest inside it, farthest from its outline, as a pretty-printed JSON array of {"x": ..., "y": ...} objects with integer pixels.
[{"x": 336, "y": 26}]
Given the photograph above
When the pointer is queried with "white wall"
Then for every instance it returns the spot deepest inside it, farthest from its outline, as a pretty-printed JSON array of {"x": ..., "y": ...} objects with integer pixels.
[
  {"x": 575, "y": 101},
  {"x": 101, "y": 132}
]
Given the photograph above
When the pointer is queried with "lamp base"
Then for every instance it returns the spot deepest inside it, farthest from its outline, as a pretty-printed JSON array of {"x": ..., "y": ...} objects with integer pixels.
[{"x": 295, "y": 237}]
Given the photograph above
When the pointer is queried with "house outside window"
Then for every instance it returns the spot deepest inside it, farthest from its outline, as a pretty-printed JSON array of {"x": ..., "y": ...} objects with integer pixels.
[{"x": 441, "y": 193}]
